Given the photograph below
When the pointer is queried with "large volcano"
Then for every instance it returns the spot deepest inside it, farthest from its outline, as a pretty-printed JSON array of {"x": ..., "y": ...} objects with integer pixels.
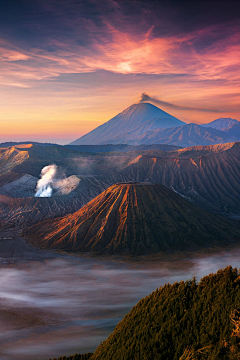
[
  {"x": 134, "y": 218},
  {"x": 145, "y": 116}
]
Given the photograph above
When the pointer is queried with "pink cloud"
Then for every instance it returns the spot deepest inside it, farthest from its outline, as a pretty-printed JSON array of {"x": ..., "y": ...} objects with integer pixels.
[
  {"x": 126, "y": 53},
  {"x": 8, "y": 52}
]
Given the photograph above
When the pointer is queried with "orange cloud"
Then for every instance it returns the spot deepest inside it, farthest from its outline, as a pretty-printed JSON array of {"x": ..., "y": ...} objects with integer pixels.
[{"x": 180, "y": 72}]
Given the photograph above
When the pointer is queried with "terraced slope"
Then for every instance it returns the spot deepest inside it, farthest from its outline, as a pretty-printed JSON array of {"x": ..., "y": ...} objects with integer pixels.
[{"x": 134, "y": 219}]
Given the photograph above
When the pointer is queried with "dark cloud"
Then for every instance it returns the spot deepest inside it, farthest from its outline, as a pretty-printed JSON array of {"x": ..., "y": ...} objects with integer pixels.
[
  {"x": 34, "y": 22},
  {"x": 188, "y": 16},
  {"x": 145, "y": 98},
  {"x": 40, "y": 23}
]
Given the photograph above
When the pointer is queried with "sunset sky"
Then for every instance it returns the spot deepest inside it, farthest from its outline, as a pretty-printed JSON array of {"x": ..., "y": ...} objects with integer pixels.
[{"x": 68, "y": 66}]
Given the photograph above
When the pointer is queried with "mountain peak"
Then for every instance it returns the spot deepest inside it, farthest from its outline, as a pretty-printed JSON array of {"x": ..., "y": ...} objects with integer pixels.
[
  {"x": 142, "y": 105},
  {"x": 145, "y": 111},
  {"x": 222, "y": 124},
  {"x": 128, "y": 121}
]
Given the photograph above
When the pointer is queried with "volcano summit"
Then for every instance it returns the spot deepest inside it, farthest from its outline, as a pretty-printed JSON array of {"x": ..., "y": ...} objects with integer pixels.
[
  {"x": 146, "y": 124},
  {"x": 140, "y": 117}
]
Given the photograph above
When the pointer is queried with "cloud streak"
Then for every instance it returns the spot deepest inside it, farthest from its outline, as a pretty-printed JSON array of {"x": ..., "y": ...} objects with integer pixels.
[
  {"x": 145, "y": 98},
  {"x": 122, "y": 52},
  {"x": 58, "y": 56}
]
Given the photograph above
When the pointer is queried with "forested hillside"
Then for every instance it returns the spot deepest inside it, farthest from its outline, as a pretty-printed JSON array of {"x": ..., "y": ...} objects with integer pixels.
[{"x": 186, "y": 320}]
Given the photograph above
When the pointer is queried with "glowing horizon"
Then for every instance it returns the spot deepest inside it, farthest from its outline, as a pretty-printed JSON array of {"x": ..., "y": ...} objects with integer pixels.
[{"x": 69, "y": 67}]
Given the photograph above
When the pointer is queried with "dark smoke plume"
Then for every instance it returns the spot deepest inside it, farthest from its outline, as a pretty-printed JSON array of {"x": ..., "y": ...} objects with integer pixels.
[{"x": 145, "y": 97}]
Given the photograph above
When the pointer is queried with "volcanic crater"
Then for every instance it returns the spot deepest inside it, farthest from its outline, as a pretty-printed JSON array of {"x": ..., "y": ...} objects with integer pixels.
[{"x": 134, "y": 218}]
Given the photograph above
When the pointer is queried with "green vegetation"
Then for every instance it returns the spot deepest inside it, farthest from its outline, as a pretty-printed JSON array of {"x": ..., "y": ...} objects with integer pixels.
[
  {"x": 178, "y": 321},
  {"x": 183, "y": 321}
]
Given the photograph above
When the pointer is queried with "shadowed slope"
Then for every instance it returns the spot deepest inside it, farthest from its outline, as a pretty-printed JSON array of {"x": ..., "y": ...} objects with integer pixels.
[
  {"x": 186, "y": 135},
  {"x": 128, "y": 120},
  {"x": 208, "y": 175},
  {"x": 136, "y": 219},
  {"x": 29, "y": 210},
  {"x": 30, "y": 159},
  {"x": 221, "y": 123}
]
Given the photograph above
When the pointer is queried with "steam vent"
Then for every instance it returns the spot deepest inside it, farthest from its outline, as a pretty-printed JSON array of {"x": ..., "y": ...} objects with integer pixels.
[{"x": 134, "y": 218}]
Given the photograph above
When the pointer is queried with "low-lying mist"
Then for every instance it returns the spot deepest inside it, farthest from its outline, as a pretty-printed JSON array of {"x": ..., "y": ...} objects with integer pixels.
[{"x": 69, "y": 304}]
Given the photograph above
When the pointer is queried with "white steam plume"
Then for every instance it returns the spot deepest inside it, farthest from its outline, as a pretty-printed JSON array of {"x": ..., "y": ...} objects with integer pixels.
[{"x": 44, "y": 185}]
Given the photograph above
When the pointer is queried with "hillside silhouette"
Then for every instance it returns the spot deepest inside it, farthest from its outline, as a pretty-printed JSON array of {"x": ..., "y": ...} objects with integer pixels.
[{"x": 183, "y": 321}]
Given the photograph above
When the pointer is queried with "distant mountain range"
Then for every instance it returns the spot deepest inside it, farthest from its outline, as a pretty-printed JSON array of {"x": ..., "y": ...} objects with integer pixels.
[
  {"x": 222, "y": 124},
  {"x": 208, "y": 176},
  {"x": 18, "y": 143},
  {"x": 145, "y": 124},
  {"x": 187, "y": 135}
]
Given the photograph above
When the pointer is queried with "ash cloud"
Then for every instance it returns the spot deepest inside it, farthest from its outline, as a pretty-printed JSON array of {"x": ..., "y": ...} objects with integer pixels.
[{"x": 145, "y": 98}]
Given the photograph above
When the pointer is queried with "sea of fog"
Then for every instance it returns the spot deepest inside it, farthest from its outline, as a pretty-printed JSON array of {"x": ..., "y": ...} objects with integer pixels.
[{"x": 68, "y": 304}]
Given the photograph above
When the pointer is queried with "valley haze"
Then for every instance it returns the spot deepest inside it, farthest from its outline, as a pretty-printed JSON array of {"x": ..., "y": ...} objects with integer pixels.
[{"x": 38, "y": 285}]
